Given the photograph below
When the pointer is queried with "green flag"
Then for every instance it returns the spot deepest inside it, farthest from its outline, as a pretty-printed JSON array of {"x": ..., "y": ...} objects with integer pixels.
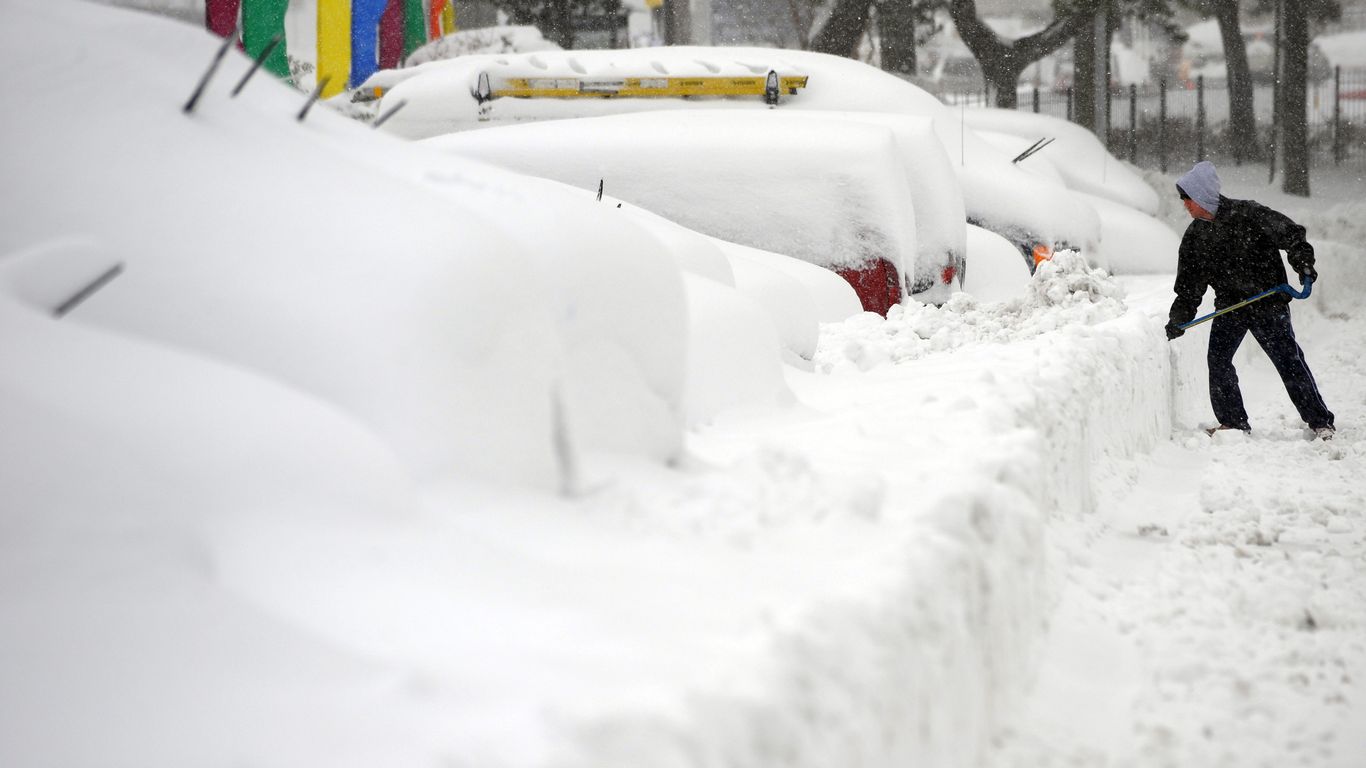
[
  {"x": 414, "y": 26},
  {"x": 262, "y": 20}
]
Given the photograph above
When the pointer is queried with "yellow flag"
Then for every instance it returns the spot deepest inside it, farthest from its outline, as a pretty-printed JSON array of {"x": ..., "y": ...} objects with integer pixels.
[{"x": 334, "y": 44}]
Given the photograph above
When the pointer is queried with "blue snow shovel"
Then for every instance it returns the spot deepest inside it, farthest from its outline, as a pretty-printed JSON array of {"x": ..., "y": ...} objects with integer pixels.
[{"x": 1282, "y": 288}]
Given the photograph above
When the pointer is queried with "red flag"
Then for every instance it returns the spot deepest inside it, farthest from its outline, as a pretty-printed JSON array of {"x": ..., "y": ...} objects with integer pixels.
[
  {"x": 391, "y": 35},
  {"x": 220, "y": 16}
]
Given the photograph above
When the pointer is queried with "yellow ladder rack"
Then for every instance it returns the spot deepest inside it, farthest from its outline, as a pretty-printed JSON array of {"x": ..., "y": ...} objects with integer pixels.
[{"x": 769, "y": 87}]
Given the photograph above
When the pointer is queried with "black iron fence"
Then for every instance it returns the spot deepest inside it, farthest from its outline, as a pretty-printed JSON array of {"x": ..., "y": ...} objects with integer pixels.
[{"x": 1162, "y": 125}]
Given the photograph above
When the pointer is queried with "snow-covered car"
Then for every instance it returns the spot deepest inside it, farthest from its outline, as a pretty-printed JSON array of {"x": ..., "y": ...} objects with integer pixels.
[
  {"x": 1037, "y": 215},
  {"x": 769, "y": 181},
  {"x": 478, "y": 91},
  {"x": 1133, "y": 240},
  {"x": 1082, "y": 161}
]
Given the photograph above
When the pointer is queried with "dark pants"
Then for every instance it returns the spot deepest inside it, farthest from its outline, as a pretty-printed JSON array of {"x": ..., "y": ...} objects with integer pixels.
[{"x": 1270, "y": 326}]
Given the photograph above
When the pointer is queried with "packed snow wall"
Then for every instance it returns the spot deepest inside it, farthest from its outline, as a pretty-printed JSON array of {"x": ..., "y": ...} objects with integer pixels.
[{"x": 983, "y": 458}]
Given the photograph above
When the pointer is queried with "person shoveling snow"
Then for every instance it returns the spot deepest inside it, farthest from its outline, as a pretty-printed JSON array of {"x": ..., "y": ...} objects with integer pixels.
[{"x": 1234, "y": 246}]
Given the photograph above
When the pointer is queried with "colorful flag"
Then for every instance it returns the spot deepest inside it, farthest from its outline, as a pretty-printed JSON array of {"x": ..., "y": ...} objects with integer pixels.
[
  {"x": 220, "y": 16},
  {"x": 448, "y": 18},
  {"x": 391, "y": 35},
  {"x": 365, "y": 16},
  {"x": 434, "y": 14},
  {"x": 262, "y": 20},
  {"x": 414, "y": 26},
  {"x": 334, "y": 45}
]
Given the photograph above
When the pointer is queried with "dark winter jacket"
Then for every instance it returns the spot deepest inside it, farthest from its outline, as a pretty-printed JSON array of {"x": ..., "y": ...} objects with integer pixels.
[{"x": 1238, "y": 254}]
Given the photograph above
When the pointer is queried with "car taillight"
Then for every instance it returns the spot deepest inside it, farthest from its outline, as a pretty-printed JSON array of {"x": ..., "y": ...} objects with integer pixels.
[
  {"x": 949, "y": 273},
  {"x": 1042, "y": 253}
]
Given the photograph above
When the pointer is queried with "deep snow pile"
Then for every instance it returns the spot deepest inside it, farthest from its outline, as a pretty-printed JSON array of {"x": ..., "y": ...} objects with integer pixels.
[{"x": 1064, "y": 291}]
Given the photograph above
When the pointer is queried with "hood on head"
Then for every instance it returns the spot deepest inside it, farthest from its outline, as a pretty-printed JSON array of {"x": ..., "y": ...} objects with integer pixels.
[{"x": 1201, "y": 184}]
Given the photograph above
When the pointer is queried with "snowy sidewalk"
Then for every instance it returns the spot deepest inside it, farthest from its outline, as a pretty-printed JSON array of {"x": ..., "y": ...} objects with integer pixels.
[{"x": 1214, "y": 609}]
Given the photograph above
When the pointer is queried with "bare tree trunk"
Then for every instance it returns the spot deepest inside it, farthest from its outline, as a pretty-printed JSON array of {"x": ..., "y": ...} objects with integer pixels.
[
  {"x": 1242, "y": 122},
  {"x": 801, "y": 25},
  {"x": 677, "y": 22},
  {"x": 1001, "y": 61},
  {"x": 556, "y": 25},
  {"x": 844, "y": 29},
  {"x": 1084, "y": 75},
  {"x": 1294, "y": 100},
  {"x": 896, "y": 33}
]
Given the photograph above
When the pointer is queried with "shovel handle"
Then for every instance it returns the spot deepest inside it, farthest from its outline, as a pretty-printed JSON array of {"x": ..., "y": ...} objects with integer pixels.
[{"x": 1282, "y": 288}]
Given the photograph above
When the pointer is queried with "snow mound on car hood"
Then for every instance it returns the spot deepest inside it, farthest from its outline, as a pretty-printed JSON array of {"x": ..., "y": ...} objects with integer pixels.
[{"x": 1064, "y": 291}]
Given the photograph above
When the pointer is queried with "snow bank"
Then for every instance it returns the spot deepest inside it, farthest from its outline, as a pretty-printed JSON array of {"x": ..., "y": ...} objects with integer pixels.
[
  {"x": 1082, "y": 379},
  {"x": 1064, "y": 292},
  {"x": 770, "y": 181},
  {"x": 1079, "y": 156}
]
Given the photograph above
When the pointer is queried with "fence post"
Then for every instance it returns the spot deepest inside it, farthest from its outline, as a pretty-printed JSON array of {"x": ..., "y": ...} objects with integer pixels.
[
  {"x": 1069, "y": 103},
  {"x": 1199, "y": 118},
  {"x": 1109, "y": 124},
  {"x": 1036, "y": 99},
  {"x": 1133, "y": 123},
  {"x": 1337, "y": 116},
  {"x": 1162, "y": 124}
]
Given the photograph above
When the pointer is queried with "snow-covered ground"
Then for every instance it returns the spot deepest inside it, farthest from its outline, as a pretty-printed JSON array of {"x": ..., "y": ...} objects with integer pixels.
[
  {"x": 1215, "y": 613},
  {"x": 371, "y": 458}
]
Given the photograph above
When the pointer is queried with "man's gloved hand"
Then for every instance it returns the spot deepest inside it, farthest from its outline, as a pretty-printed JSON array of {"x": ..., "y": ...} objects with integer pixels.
[
  {"x": 1301, "y": 258},
  {"x": 1174, "y": 331}
]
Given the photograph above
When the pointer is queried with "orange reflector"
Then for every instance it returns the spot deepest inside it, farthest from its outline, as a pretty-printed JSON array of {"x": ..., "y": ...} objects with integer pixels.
[{"x": 1042, "y": 253}]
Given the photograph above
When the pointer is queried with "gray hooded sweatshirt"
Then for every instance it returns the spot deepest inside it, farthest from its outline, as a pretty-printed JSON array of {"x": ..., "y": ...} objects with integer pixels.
[{"x": 1201, "y": 184}]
